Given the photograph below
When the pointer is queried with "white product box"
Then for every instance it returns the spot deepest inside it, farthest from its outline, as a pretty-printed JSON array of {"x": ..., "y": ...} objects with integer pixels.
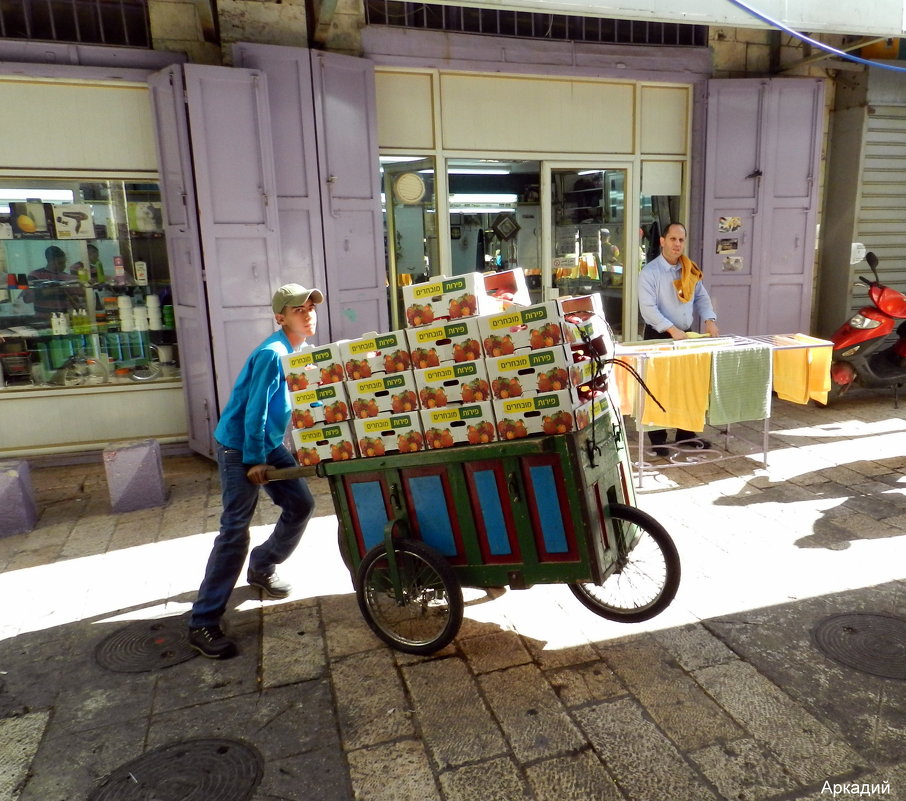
[
  {"x": 447, "y": 298},
  {"x": 389, "y": 433},
  {"x": 468, "y": 424},
  {"x": 319, "y": 406},
  {"x": 391, "y": 393},
  {"x": 465, "y": 382},
  {"x": 313, "y": 367},
  {"x": 519, "y": 329},
  {"x": 324, "y": 443},
  {"x": 550, "y": 413},
  {"x": 534, "y": 372},
  {"x": 444, "y": 343},
  {"x": 374, "y": 354},
  {"x": 70, "y": 221}
]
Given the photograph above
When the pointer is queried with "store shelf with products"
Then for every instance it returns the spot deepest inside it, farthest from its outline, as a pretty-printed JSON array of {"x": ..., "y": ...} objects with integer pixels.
[{"x": 85, "y": 294}]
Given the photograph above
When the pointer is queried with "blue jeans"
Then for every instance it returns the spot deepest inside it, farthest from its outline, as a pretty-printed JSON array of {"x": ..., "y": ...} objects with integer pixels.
[{"x": 240, "y": 497}]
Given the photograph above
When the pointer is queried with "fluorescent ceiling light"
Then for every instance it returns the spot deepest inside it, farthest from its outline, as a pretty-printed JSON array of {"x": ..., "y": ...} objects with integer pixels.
[
  {"x": 400, "y": 159},
  {"x": 498, "y": 198},
  {"x": 480, "y": 209},
  {"x": 45, "y": 195},
  {"x": 589, "y": 172},
  {"x": 476, "y": 171}
]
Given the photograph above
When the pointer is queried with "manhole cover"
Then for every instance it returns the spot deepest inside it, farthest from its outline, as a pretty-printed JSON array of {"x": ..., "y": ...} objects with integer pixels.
[
  {"x": 145, "y": 646},
  {"x": 874, "y": 644},
  {"x": 194, "y": 770}
]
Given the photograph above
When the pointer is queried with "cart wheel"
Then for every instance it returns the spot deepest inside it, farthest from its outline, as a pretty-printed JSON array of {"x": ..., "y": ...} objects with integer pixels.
[
  {"x": 645, "y": 580},
  {"x": 430, "y": 613}
]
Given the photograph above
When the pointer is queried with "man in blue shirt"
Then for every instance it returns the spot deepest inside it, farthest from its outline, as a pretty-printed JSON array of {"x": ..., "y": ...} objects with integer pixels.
[
  {"x": 249, "y": 440},
  {"x": 670, "y": 295}
]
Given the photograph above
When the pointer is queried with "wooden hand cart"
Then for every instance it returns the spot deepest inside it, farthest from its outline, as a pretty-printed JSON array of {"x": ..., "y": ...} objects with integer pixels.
[{"x": 416, "y": 528}]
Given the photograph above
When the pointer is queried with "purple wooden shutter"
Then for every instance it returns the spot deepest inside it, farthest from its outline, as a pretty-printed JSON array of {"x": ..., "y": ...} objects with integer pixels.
[
  {"x": 763, "y": 140},
  {"x": 289, "y": 90},
  {"x": 234, "y": 177},
  {"x": 183, "y": 252},
  {"x": 350, "y": 194}
]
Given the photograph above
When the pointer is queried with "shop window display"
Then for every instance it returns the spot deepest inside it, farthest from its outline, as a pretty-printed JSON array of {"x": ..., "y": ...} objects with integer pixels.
[{"x": 85, "y": 294}]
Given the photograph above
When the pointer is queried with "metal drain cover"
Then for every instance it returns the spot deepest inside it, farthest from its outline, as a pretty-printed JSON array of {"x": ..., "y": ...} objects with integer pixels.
[
  {"x": 194, "y": 770},
  {"x": 874, "y": 644},
  {"x": 145, "y": 646}
]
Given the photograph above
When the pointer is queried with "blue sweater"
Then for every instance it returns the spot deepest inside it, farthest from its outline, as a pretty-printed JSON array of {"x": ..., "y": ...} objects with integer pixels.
[{"x": 258, "y": 411}]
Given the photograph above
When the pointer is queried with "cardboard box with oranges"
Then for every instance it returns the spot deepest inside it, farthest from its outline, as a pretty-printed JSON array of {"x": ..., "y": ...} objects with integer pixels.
[
  {"x": 392, "y": 393},
  {"x": 324, "y": 443},
  {"x": 548, "y": 413},
  {"x": 313, "y": 367},
  {"x": 389, "y": 433},
  {"x": 444, "y": 343},
  {"x": 374, "y": 354},
  {"x": 468, "y": 424},
  {"x": 319, "y": 406},
  {"x": 449, "y": 384},
  {"x": 536, "y": 372},
  {"x": 447, "y": 299},
  {"x": 519, "y": 329},
  {"x": 583, "y": 319}
]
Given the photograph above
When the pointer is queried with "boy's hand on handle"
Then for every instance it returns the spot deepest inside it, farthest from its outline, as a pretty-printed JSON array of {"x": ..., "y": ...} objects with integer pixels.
[{"x": 258, "y": 474}]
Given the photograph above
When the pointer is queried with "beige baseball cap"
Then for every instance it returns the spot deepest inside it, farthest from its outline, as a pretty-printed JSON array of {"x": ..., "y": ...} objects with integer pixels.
[{"x": 294, "y": 295}]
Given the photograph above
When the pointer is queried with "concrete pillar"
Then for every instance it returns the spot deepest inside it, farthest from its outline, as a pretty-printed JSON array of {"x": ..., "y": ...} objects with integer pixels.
[
  {"x": 135, "y": 476},
  {"x": 18, "y": 513}
]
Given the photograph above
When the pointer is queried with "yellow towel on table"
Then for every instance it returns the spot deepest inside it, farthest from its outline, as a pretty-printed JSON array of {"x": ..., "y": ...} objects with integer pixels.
[
  {"x": 626, "y": 387},
  {"x": 682, "y": 383},
  {"x": 801, "y": 374}
]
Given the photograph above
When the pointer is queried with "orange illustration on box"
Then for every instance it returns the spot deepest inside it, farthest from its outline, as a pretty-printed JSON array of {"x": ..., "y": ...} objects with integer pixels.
[
  {"x": 303, "y": 418},
  {"x": 410, "y": 442},
  {"x": 296, "y": 382},
  {"x": 545, "y": 337},
  {"x": 476, "y": 391},
  {"x": 483, "y": 432},
  {"x": 308, "y": 457},
  {"x": 463, "y": 306},
  {"x": 331, "y": 374},
  {"x": 553, "y": 380},
  {"x": 425, "y": 357},
  {"x": 342, "y": 451},
  {"x": 506, "y": 388},
  {"x": 397, "y": 361},
  {"x": 432, "y": 397},
  {"x": 419, "y": 314},
  {"x": 558, "y": 423},
  {"x": 365, "y": 408},
  {"x": 371, "y": 446},
  {"x": 404, "y": 402},
  {"x": 358, "y": 368},
  {"x": 440, "y": 438},
  {"x": 511, "y": 429},
  {"x": 499, "y": 346},
  {"x": 468, "y": 351}
]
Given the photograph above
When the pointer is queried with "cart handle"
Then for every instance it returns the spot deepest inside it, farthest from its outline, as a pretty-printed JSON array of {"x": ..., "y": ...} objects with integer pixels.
[{"x": 283, "y": 473}]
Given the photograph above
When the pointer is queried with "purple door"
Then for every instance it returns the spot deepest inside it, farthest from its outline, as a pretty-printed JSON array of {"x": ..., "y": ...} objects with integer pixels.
[
  {"x": 292, "y": 119},
  {"x": 350, "y": 194},
  {"x": 229, "y": 123},
  {"x": 763, "y": 144},
  {"x": 183, "y": 251}
]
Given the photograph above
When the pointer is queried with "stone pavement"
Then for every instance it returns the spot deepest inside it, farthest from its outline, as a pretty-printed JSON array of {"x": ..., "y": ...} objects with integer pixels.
[{"x": 723, "y": 696}]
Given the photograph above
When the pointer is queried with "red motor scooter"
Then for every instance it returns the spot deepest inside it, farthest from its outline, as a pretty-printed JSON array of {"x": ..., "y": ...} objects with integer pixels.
[{"x": 870, "y": 348}]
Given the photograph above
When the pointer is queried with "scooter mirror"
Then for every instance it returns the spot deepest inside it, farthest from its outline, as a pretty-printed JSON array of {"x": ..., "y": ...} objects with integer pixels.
[{"x": 872, "y": 260}]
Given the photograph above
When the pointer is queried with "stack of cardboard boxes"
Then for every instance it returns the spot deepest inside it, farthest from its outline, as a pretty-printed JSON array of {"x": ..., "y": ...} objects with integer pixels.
[{"x": 475, "y": 365}]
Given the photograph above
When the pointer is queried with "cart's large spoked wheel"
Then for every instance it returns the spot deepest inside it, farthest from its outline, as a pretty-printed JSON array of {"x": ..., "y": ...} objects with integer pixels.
[
  {"x": 427, "y": 614},
  {"x": 647, "y": 573}
]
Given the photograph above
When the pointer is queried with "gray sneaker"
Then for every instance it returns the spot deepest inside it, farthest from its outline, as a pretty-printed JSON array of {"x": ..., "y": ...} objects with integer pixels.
[
  {"x": 271, "y": 583},
  {"x": 211, "y": 642}
]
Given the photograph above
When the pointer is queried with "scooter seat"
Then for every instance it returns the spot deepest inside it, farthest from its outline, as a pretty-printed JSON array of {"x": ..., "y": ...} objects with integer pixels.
[{"x": 891, "y": 302}]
